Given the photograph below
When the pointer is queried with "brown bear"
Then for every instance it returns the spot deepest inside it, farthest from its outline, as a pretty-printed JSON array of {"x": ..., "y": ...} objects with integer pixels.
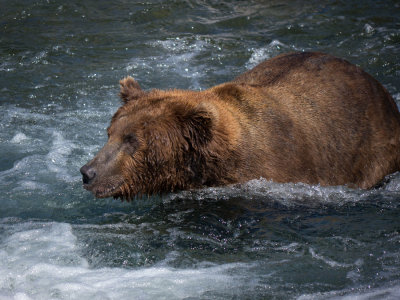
[{"x": 299, "y": 117}]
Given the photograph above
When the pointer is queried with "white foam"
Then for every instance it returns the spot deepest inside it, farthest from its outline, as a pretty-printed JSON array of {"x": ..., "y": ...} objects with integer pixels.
[
  {"x": 288, "y": 194},
  {"x": 394, "y": 183},
  {"x": 47, "y": 146},
  {"x": 368, "y": 29},
  {"x": 44, "y": 281},
  {"x": 57, "y": 158},
  {"x": 272, "y": 49},
  {"x": 332, "y": 263},
  {"x": 43, "y": 261},
  {"x": 182, "y": 58},
  {"x": 25, "y": 185},
  {"x": 40, "y": 58},
  {"x": 18, "y": 138},
  {"x": 178, "y": 56},
  {"x": 23, "y": 168}
]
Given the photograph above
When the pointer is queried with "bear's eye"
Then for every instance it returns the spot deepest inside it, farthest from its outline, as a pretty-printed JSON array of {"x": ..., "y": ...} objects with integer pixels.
[{"x": 131, "y": 140}]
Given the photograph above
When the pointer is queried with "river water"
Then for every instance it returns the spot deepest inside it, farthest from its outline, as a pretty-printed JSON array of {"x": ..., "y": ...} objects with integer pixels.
[{"x": 59, "y": 70}]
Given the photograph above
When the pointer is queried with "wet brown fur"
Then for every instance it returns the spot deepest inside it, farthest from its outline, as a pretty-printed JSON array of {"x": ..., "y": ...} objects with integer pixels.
[{"x": 300, "y": 117}]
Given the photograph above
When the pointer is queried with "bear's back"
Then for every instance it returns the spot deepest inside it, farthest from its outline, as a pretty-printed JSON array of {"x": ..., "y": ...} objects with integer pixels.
[{"x": 322, "y": 120}]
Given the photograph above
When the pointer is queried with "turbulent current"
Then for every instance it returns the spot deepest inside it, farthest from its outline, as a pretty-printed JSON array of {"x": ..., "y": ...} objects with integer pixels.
[{"x": 59, "y": 71}]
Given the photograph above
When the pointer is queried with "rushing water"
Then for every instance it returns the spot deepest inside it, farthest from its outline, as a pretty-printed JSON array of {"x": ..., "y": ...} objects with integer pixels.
[{"x": 59, "y": 70}]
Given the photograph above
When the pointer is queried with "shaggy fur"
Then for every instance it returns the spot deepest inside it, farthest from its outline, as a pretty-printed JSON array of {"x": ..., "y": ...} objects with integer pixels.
[{"x": 299, "y": 117}]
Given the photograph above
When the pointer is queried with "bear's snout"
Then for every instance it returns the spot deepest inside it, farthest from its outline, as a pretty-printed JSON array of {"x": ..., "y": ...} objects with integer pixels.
[{"x": 88, "y": 174}]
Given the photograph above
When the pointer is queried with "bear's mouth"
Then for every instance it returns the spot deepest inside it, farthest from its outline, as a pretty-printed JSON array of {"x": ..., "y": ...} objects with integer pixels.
[{"x": 103, "y": 190}]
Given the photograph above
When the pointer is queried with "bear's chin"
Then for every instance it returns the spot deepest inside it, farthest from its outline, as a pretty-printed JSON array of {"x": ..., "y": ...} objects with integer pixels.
[{"x": 102, "y": 190}]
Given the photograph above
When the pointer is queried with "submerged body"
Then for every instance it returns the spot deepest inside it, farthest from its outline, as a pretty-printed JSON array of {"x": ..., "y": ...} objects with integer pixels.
[{"x": 300, "y": 117}]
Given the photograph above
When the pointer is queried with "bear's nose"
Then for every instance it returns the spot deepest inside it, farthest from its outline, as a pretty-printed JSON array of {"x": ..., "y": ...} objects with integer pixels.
[{"x": 88, "y": 173}]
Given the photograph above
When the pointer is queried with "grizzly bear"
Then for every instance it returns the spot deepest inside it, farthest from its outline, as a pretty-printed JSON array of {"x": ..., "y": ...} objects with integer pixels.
[{"x": 298, "y": 117}]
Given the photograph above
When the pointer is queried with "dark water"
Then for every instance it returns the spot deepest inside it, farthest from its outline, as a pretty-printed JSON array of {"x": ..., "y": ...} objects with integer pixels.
[{"x": 59, "y": 70}]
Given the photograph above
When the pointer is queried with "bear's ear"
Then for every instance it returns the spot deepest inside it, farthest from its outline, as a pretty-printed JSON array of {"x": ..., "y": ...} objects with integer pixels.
[
  {"x": 130, "y": 89},
  {"x": 196, "y": 124}
]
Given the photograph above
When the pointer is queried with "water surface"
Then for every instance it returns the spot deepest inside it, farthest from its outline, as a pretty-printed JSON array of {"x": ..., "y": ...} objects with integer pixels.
[{"x": 59, "y": 70}]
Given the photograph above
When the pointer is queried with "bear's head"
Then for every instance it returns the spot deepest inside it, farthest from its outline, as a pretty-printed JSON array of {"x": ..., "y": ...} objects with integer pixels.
[{"x": 158, "y": 142}]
